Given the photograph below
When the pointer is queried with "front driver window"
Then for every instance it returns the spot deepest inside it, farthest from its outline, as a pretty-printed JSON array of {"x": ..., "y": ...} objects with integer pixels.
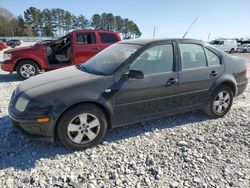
[{"x": 155, "y": 60}]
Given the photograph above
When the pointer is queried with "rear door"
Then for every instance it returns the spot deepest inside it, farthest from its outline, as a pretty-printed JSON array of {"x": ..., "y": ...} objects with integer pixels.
[
  {"x": 200, "y": 67},
  {"x": 154, "y": 95},
  {"x": 84, "y": 47}
]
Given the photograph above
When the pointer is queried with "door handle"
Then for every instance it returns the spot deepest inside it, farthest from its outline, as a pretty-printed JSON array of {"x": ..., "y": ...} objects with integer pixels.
[
  {"x": 213, "y": 74},
  {"x": 171, "y": 81}
]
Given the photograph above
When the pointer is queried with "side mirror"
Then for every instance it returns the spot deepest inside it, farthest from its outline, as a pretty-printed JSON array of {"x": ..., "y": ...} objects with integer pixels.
[{"x": 136, "y": 74}]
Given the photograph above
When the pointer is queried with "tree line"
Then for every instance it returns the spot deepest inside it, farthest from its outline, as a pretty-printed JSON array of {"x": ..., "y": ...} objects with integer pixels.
[{"x": 58, "y": 22}]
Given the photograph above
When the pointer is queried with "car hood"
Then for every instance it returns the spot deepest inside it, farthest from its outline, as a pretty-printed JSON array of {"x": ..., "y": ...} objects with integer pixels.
[
  {"x": 24, "y": 49},
  {"x": 55, "y": 80}
]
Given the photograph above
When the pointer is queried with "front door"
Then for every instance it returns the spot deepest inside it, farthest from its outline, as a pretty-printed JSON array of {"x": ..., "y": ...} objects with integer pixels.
[
  {"x": 155, "y": 94},
  {"x": 85, "y": 47},
  {"x": 200, "y": 69}
]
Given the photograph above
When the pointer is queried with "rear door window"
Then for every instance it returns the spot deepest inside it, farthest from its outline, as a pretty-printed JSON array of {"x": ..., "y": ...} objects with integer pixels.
[
  {"x": 192, "y": 56},
  {"x": 212, "y": 58},
  {"x": 85, "y": 38},
  {"x": 108, "y": 38}
]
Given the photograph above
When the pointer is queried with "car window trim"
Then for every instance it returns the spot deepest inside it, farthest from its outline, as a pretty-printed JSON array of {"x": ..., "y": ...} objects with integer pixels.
[
  {"x": 159, "y": 74},
  {"x": 198, "y": 68}
]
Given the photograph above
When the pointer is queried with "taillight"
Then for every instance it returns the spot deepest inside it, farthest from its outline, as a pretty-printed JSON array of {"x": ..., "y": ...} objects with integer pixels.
[{"x": 246, "y": 72}]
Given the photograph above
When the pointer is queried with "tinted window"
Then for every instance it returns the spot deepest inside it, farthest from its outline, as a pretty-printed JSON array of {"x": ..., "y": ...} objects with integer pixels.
[
  {"x": 192, "y": 56},
  {"x": 85, "y": 38},
  {"x": 108, "y": 38},
  {"x": 212, "y": 58},
  {"x": 155, "y": 60},
  {"x": 217, "y": 42}
]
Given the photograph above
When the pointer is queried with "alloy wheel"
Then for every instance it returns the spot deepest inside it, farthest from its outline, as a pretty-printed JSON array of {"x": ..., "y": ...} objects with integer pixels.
[
  {"x": 221, "y": 102},
  {"x": 83, "y": 128},
  {"x": 27, "y": 70}
]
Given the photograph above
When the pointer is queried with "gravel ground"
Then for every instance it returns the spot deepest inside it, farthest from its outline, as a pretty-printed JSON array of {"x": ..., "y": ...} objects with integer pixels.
[{"x": 189, "y": 150}]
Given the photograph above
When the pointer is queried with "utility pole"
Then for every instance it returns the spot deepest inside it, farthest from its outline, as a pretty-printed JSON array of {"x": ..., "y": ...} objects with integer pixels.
[
  {"x": 190, "y": 27},
  {"x": 154, "y": 32},
  {"x": 208, "y": 38}
]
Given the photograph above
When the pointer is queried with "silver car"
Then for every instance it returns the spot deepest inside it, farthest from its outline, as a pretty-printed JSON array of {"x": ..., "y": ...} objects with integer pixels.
[{"x": 243, "y": 48}]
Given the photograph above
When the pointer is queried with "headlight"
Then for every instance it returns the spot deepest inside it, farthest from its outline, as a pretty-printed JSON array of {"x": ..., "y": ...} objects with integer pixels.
[
  {"x": 6, "y": 56},
  {"x": 21, "y": 104}
]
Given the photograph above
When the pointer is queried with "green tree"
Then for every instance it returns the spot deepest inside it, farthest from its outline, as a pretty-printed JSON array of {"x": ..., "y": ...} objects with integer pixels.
[
  {"x": 118, "y": 23},
  {"x": 33, "y": 17},
  {"x": 110, "y": 22},
  {"x": 96, "y": 21},
  {"x": 48, "y": 23},
  {"x": 83, "y": 22},
  {"x": 68, "y": 24}
]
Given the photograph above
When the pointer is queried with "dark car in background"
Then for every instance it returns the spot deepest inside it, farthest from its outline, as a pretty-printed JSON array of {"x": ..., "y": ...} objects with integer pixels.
[
  {"x": 71, "y": 49},
  {"x": 129, "y": 82},
  {"x": 14, "y": 43}
]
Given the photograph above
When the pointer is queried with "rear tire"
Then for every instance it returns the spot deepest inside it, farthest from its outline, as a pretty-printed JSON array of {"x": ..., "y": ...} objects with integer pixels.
[
  {"x": 26, "y": 69},
  {"x": 220, "y": 102},
  {"x": 81, "y": 127}
]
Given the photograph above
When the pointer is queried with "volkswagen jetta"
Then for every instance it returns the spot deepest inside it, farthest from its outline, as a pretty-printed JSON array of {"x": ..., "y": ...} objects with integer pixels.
[{"x": 129, "y": 82}]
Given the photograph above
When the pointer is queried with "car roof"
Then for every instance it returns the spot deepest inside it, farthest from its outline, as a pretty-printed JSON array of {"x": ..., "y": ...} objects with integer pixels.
[
  {"x": 90, "y": 30},
  {"x": 159, "y": 40}
]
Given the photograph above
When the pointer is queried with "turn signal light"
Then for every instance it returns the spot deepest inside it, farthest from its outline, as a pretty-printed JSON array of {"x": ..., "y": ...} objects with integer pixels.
[{"x": 42, "y": 120}]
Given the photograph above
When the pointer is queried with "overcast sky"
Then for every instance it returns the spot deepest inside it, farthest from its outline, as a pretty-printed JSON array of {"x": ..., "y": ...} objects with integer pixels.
[{"x": 220, "y": 18}]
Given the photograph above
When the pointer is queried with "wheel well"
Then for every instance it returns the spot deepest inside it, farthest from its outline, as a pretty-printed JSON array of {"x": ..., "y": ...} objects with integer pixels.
[
  {"x": 29, "y": 60},
  {"x": 101, "y": 107},
  {"x": 231, "y": 86}
]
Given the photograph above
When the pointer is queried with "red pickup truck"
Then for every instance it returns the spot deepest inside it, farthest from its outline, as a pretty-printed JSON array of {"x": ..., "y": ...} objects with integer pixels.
[{"x": 74, "y": 48}]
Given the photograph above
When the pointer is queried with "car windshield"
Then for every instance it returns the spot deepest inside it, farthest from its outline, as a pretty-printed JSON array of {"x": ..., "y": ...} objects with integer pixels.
[{"x": 108, "y": 60}]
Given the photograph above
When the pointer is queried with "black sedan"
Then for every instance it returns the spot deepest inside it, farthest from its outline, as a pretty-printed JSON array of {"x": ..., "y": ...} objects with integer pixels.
[{"x": 129, "y": 82}]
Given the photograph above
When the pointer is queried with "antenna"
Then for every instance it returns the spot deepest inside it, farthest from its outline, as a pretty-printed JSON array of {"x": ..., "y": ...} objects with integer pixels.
[{"x": 190, "y": 27}]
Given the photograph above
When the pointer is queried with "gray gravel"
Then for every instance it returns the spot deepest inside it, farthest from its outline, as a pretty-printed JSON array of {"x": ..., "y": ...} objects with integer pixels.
[{"x": 189, "y": 150}]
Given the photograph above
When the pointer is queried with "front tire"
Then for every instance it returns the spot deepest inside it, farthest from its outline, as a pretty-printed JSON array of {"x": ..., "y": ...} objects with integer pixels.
[
  {"x": 231, "y": 51},
  {"x": 220, "y": 102},
  {"x": 81, "y": 127},
  {"x": 26, "y": 69}
]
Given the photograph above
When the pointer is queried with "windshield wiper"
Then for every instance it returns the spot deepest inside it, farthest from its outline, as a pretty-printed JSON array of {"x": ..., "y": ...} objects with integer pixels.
[{"x": 85, "y": 69}]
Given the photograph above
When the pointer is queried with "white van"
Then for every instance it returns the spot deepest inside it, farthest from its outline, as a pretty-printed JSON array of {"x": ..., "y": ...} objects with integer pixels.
[{"x": 227, "y": 45}]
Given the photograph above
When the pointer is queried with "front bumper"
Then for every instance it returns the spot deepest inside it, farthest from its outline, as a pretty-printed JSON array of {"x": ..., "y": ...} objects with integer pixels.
[
  {"x": 29, "y": 126},
  {"x": 7, "y": 66}
]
